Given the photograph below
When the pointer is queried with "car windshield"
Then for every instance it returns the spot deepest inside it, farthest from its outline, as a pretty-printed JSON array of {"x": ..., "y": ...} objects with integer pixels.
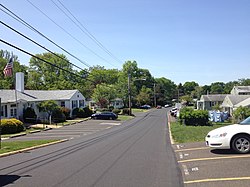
[{"x": 246, "y": 121}]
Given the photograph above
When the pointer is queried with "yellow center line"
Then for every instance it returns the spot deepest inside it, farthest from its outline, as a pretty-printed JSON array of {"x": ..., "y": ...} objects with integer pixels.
[
  {"x": 216, "y": 179},
  {"x": 214, "y": 158},
  {"x": 192, "y": 149}
]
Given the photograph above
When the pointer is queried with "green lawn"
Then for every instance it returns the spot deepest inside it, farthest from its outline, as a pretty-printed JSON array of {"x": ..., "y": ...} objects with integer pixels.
[
  {"x": 124, "y": 117},
  {"x": 184, "y": 134},
  {"x": 17, "y": 145}
]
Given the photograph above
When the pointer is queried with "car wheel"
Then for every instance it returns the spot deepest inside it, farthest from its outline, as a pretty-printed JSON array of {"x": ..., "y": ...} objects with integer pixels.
[{"x": 241, "y": 144}]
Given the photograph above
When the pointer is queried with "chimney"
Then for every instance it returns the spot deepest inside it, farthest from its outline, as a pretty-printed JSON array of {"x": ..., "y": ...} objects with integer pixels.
[{"x": 20, "y": 81}]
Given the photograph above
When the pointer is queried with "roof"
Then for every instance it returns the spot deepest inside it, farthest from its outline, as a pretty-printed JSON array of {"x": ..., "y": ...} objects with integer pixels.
[
  {"x": 233, "y": 99},
  {"x": 8, "y": 96},
  {"x": 217, "y": 97},
  {"x": 242, "y": 88},
  {"x": 244, "y": 103}
]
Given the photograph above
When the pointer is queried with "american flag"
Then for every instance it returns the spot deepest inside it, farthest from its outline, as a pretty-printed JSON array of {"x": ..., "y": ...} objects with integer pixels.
[{"x": 8, "y": 70}]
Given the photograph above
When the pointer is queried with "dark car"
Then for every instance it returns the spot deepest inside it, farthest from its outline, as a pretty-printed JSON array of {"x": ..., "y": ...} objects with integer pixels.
[
  {"x": 145, "y": 107},
  {"x": 104, "y": 115}
]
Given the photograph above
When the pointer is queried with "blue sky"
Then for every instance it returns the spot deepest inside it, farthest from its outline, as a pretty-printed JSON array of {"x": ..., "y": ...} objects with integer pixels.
[{"x": 183, "y": 40}]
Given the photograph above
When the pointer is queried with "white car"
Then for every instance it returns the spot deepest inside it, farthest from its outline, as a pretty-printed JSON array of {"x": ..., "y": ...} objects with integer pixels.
[{"x": 235, "y": 137}]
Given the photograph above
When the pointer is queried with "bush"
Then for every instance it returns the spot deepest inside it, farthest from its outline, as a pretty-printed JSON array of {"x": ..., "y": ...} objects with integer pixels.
[
  {"x": 192, "y": 117},
  {"x": 116, "y": 111},
  {"x": 58, "y": 116},
  {"x": 29, "y": 115},
  {"x": 81, "y": 113},
  {"x": 88, "y": 111},
  {"x": 75, "y": 112},
  {"x": 125, "y": 111},
  {"x": 10, "y": 126},
  {"x": 66, "y": 112}
]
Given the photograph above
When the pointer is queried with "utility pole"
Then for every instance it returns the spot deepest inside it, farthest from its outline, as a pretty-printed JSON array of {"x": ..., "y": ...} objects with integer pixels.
[
  {"x": 154, "y": 96},
  {"x": 0, "y": 125},
  {"x": 129, "y": 94}
]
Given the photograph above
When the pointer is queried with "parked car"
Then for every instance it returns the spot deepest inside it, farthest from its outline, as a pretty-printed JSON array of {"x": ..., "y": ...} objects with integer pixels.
[
  {"x": 145, "y": 107},
  {"x": 173, "y": 112},
  {"x": 159, "y": 107},
  {"x": 235, "y": 137},
  {"x": 104, "y": 115}
]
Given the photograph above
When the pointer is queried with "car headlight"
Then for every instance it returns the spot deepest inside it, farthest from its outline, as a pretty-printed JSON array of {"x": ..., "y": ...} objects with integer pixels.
[{"x": 219, "y": 135}]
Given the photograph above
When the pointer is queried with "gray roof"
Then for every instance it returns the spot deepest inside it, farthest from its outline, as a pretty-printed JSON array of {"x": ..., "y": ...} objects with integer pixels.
[
  {"x": 244, "y": 103},
  {"x": 8, "y": 96},
  {"x": 235, "y": 99},
  {"x": 243, "y": 88},
  {"x": 217, "y": 97}
]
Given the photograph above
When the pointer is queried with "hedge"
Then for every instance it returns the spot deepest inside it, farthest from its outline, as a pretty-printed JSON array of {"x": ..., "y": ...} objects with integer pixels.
[
  {"x": 10, "y": 126},
  {"x": 192, "y": 117}
]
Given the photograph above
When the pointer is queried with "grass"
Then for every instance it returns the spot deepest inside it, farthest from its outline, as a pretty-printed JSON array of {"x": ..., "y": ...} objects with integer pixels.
[
  {"x": 185, "y": 134},
  {"x": 135, "y": 110},
  {"x": 18, "y": 145},
  {"x": 124, "y": 117}
]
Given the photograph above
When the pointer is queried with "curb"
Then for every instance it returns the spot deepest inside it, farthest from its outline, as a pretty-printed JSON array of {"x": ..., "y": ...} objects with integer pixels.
[
  {"x": 169, "y": 130},
  {"x": 32, "y": 148}
]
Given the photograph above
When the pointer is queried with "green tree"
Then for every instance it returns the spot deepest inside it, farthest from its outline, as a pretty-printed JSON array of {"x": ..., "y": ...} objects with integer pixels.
[
  {"x": 103, "y": 94},
  {"x": 241, "y": 113},
  {"x": 47, "y": 77},
  {"x": 49, "y": 107},
  {"x": 8, "y": 82},
  {"x": 189, "y": 87},
  {"x": 217, "y": 88},
  {"x": 144, "y": 96}
]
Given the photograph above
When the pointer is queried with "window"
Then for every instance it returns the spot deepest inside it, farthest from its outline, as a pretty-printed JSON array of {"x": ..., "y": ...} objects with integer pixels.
[
  {"x": 81, "y": 103},
  {"x": 62, "y": 103},
  {"x": 13, "y": 112},
  {"x": 74, "y": 104},
  {"x": 2, "y": 111}
]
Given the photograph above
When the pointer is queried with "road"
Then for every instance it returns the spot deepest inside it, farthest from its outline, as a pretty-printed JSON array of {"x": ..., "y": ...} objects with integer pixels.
[{"x": 135, "y": 153}]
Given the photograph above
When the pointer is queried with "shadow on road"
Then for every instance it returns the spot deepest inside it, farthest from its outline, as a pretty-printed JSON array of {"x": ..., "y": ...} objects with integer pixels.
[
  {"x": 224, "y": 152},
  {"x": 9, "y": 179}
]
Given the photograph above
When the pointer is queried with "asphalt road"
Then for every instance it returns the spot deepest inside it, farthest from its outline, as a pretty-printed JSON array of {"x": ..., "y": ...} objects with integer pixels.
[{"x": 134, "y": 153}]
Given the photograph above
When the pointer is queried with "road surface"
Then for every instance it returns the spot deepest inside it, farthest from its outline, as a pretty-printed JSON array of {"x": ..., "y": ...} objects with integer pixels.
[{"x": 136, "y": 153}]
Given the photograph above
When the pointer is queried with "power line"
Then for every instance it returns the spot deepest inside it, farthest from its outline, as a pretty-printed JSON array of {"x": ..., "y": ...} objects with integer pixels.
[
  {"x": 85, "y": 30},
  {"x": 40, "y": 45},
  {"x": 20, "y": 20},
  {"x": 67, "y": 32}
]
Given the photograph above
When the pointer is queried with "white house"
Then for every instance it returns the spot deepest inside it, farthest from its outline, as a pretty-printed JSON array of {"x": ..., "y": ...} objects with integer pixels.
[
  {"x": 13, "y": 102},
  {"x": 240, "y": 90}
]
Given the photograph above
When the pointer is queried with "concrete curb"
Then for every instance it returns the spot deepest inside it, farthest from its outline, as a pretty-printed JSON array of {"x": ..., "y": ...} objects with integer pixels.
[
  {"x": 169, "y": 130},
  {"x": 32, "y": 148}
]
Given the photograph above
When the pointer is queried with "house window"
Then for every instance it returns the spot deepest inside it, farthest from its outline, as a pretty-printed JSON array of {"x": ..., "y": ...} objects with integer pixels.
[
  {"x": 74, "y": 104},
  {"x": 62, "y": 103},
  {"x": 81, "y": 103},
  {"x": 2, "y": 111},
  {"x": 6, "y": 111}
]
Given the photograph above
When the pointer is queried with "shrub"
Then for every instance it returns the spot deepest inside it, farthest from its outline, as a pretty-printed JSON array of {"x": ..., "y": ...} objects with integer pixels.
[
  {"x": 81, "y": 113},
  {"x": 75, "y": 112},
  {"x": 88, "y": 111},
  {"x": 192, "y": 117},
  {"x": 125, "y": 111},
  {"x": 116, "y": 111},
  {"x": 29, "y": 115},
  {"x": 66, "y": 112},
  {"x": 10, "y": 126},
  {"x": 58, "y": 116}
]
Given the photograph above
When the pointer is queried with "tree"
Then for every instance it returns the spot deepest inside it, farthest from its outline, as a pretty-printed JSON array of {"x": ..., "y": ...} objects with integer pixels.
[
  {"x": 47, "y": 77},
  {"x": 103, "y": 94},
  {"x": 144, "y": 96},
  {"x": 8, "y": 82},
  {"x": 189, "y": 87},
  {"x": 241, "y": 113},
  {"x": 49, "y": 107},
  {"x": 217, "y": 88}
]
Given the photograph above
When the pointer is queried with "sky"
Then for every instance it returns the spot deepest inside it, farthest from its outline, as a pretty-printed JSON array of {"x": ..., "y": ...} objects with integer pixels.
[{"x": 204, "y": 41}]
